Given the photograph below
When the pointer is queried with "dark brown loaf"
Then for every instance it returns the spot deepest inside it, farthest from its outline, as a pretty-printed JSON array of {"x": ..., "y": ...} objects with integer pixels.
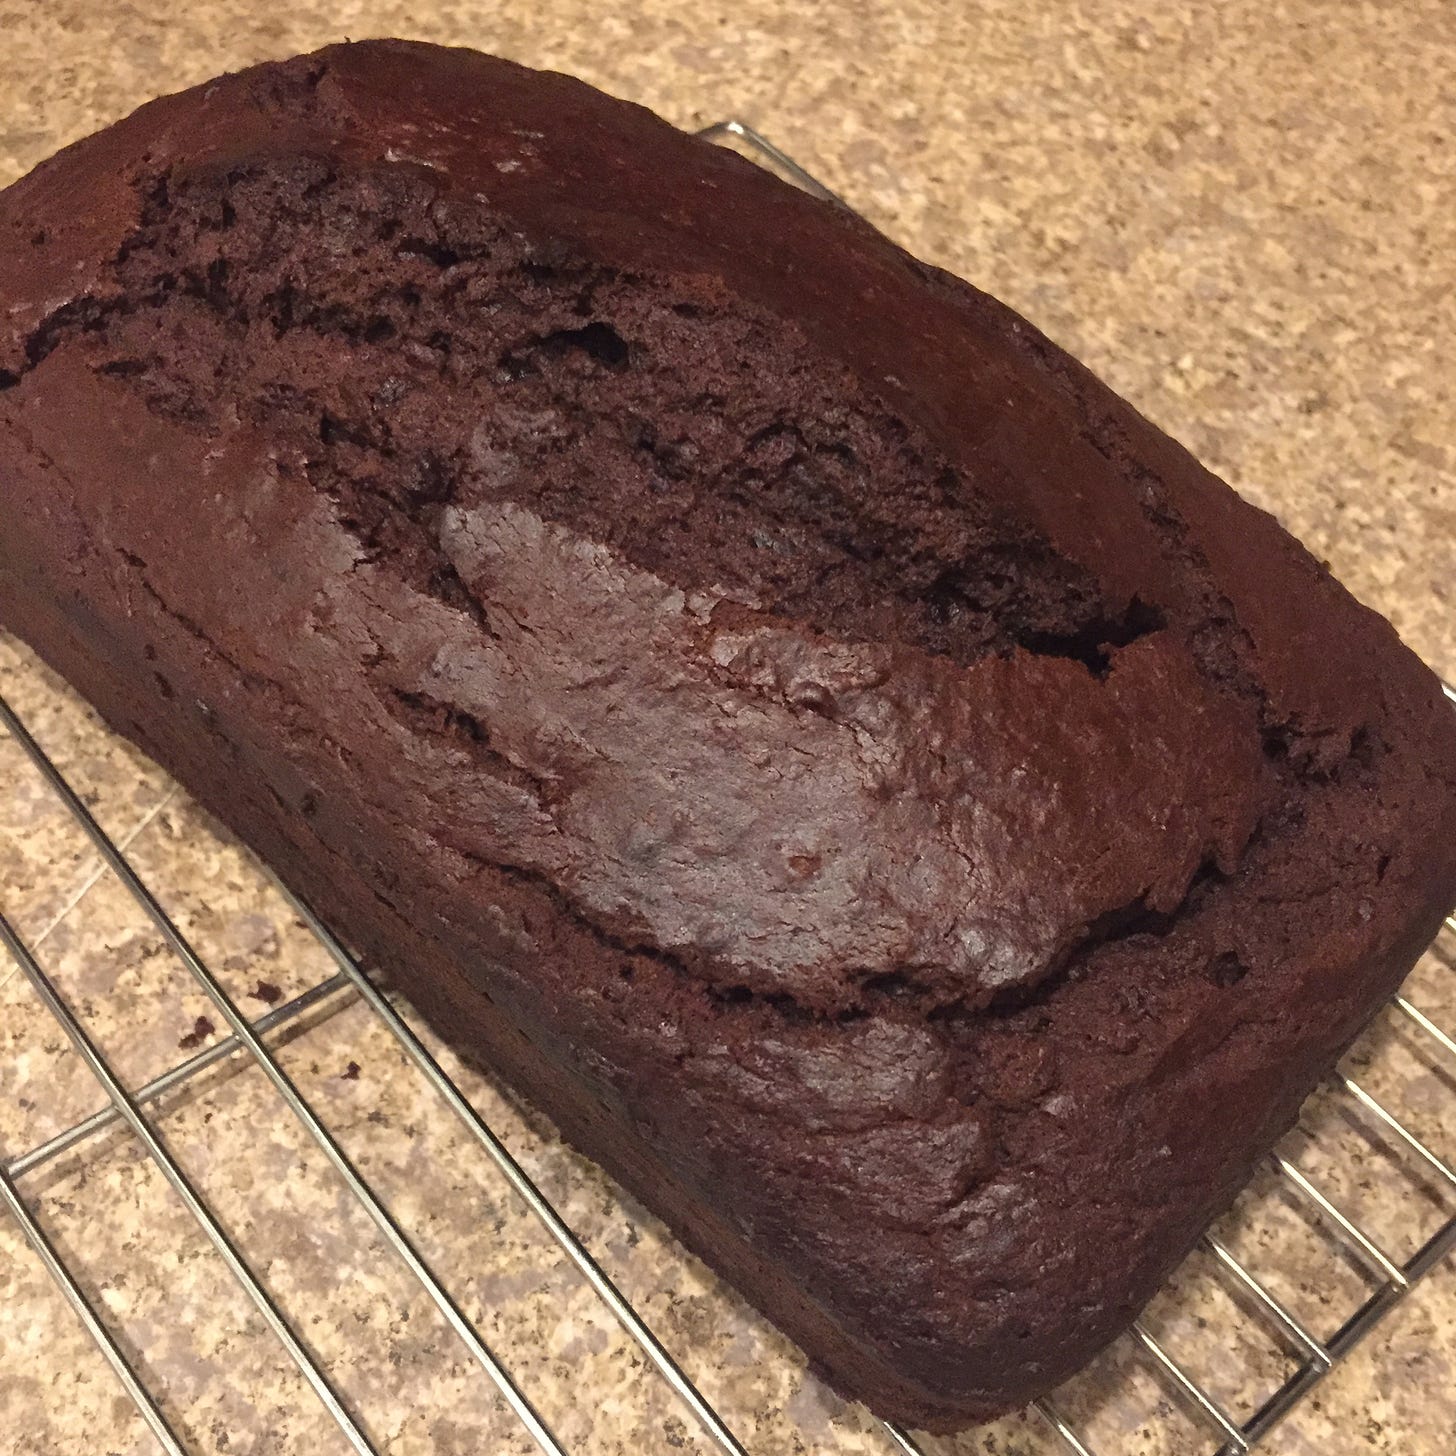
[{"x": 888, "y": 803}]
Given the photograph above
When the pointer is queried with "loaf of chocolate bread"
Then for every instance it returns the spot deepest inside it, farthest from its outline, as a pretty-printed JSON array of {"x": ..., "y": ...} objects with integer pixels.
[{"x": 882, "y": 798}]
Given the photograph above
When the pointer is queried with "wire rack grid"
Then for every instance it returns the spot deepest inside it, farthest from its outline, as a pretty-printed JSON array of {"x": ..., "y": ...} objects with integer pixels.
[{"x": 1215, "y": 1422}]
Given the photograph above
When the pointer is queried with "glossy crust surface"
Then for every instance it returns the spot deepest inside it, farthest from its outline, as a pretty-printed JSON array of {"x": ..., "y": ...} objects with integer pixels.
[{"x": 885, "y": 800}]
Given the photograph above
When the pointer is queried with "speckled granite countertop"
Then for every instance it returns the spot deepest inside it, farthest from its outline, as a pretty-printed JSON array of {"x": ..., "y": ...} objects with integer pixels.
[{"x": 1244, "y": 215}]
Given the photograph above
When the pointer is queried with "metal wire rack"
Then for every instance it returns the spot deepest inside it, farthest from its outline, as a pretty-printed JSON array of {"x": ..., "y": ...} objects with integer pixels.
[{"x": 1312, "y": 1353}]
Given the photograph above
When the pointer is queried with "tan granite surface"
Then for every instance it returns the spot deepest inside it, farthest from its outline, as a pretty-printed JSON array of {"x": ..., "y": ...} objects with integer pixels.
[{"x": 1244, "y": 215}]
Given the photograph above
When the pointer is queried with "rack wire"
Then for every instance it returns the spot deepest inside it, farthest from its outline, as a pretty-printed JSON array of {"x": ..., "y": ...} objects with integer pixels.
[{"x": 251, "y": 1042}]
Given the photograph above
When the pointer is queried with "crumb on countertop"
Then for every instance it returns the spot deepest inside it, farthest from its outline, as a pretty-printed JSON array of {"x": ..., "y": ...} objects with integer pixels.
[{"x": 202, "y": 1028}]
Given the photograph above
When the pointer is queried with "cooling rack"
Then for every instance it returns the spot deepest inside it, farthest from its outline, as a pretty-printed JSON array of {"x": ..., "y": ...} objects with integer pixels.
[{"x": 1211, "y": 1419}]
